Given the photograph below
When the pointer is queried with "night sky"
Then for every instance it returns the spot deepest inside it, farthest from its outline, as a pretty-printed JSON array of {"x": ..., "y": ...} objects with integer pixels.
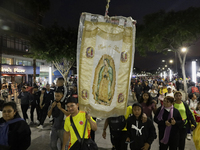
[{"x": 67, "y": 13}]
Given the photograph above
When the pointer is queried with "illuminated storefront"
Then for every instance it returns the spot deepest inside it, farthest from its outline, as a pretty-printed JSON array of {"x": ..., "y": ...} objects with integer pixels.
[{"x": 17, "y": 74}]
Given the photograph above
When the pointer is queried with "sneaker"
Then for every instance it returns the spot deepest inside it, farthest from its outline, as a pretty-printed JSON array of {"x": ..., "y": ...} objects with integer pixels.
[
  {"x": 37, "y": 122},
  {"x": 40, "y": 127},
  {"x": 189, "y": 136},
  {"x": 31, "y": 123},
  {"x": 51, "y": 119},
  {"x": 27, "y": 121}
]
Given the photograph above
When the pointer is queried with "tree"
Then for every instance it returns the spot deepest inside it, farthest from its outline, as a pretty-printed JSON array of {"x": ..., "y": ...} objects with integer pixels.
[
  {"x": 56, "y": 45},
  {"x": 38, "y": 8},
  {"x": 172, "y": 30}
]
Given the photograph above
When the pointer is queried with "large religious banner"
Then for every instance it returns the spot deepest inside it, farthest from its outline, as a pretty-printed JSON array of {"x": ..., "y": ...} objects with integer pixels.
[{"x": 105, "y": 54}]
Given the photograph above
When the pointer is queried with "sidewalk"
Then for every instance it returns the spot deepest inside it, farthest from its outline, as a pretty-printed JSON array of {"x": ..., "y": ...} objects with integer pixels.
[{"x": 41, "y": 138}]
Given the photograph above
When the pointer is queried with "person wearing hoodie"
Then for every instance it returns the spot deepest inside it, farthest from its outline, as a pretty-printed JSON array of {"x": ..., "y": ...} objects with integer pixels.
[
  {"x": 25, "y": 101},
  {"x": 140, "y": 135},
  {"x": 169, "y": 121}
]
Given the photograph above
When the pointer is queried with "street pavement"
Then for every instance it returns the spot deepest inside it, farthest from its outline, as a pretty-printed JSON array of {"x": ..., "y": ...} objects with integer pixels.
[{"x": 41, "y": 138}]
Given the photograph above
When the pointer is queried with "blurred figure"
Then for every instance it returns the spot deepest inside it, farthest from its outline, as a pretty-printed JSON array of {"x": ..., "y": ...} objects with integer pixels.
[
  {"x": 169, "y": 92},
  {"x": 4, "y": 92},
  {"x": 61, "y": 87},
  {"x": 153, "y": 93},
  {"x": 25, "y": 101},
  {"x": 53, "y": 86},
  {"x": 138, "y": 90},
  {"x": 45, "y": 100},
  {"x": 35, "y": 104}
]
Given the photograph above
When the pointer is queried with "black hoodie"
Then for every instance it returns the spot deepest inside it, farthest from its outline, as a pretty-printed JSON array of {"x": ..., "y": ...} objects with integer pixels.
[
  {"x": 138, "y": 132},
  {"x": 19, "y": 135}
]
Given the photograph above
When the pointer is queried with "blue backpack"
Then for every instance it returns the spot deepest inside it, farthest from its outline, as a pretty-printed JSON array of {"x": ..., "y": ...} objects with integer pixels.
[{"x": 4, "y": 128}]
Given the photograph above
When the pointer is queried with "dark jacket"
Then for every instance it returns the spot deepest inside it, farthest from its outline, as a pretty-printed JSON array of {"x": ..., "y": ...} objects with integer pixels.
[
  {"x": 48, "y": 98},
  {"x": 138, "y": 89},
  {"x": 147, "y": 132},
  {"x": 146, "y": 88},
  {"x": 19, "y": 135},
  {"x": 36, "y": 98},
  {"x": 174, "y": 133},
  {"x": 25, "y": 97}
]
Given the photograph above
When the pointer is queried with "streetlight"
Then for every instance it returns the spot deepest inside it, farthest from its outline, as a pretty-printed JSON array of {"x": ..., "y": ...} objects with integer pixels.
[
  {"x": 169, "y": 50},
  {"x": 184, "y": 49},
  {"x": 163, "y": 60},
  {"x": 171, "y": 61}
]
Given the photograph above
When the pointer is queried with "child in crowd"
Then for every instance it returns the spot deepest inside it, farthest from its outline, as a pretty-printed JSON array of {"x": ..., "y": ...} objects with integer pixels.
[
  {"x": 192, "y": 103},
  {"x": 139, "y": 135},
  {"x": 196, "y": 132},
  {"x": 168, "y": 119},
  {"x": 148, "y": 104}
]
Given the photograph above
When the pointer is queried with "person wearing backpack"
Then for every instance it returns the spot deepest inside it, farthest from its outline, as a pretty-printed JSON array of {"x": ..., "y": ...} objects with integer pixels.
[
  {"x": 15, "y": 132},
  {"x": 118, "y": 131}
]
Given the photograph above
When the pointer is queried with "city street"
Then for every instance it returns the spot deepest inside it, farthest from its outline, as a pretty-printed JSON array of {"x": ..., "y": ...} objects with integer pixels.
[{"x": 41, "y": 138}]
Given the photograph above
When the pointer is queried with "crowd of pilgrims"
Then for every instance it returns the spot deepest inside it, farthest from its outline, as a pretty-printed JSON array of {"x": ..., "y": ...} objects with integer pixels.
[{"x": 158, "y": 102}]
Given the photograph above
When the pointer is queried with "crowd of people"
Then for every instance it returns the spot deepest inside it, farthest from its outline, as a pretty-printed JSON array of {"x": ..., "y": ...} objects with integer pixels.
[{"x": 157, "y": 100}]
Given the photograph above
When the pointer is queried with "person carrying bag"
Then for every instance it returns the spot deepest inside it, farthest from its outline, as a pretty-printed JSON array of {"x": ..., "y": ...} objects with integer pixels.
[
  {"x": 78, "y": 126},
  {"x": 82, "y": 144}
]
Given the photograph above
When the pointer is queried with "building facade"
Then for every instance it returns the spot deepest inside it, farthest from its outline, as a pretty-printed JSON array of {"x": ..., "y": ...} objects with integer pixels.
[{"x": 16, "y": 27}]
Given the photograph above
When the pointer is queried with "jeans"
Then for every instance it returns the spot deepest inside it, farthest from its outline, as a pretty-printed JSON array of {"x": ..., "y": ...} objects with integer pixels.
[{"x": 55, "y": 135}]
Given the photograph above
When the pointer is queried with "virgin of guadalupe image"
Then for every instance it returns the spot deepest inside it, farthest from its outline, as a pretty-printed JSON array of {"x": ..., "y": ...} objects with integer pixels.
[{"x": 104, "y": 84}]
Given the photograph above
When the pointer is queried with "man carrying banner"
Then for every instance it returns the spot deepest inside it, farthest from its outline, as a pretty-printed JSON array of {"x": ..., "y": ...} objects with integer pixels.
[{"x": 79, "y": 119}]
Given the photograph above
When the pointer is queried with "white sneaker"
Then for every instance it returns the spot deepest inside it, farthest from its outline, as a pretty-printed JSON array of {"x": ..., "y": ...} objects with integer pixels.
[
  {"x": 37, "y": 122},
  {"x": 189, "y": 136},
  {"x": 40, "y": 127},
  {"x": 27, "y": 121},
  {"x": 51, "y": 119}
]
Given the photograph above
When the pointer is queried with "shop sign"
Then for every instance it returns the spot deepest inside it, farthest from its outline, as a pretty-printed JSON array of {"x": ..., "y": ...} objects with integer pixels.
[
  {"x": 12, "y": 69},
  {"x": 44, "y": 68}
]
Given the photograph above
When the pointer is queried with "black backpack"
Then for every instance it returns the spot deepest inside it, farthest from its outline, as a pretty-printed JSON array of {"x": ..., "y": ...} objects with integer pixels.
[{"x": 117, "y": 123}]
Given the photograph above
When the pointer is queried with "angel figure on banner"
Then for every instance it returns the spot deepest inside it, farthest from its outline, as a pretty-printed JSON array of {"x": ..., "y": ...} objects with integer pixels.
[{"x": 105, "y": 80}]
